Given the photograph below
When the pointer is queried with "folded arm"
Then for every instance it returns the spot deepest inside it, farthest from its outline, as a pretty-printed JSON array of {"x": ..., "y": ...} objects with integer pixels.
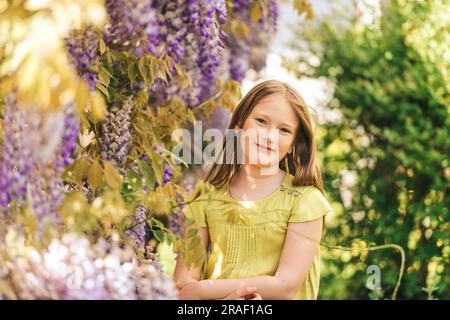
[
  {"x": 295, "y": 261},
  {"x": 183, "y": 275}
]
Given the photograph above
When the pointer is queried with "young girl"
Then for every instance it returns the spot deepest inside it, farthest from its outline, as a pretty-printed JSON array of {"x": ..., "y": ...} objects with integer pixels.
[{"x": 261, "y": 222}]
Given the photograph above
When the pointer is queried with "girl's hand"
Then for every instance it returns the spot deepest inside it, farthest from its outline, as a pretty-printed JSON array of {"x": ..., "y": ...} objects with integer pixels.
[
  {"x": 245, "y": 293},
  {"x": 186, "y": 291},
  {"x": 181, "y": 284},
  {"x": 255, "y": 296}
]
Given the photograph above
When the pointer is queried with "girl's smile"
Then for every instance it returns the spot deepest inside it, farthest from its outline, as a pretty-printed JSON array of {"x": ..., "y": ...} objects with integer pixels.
[{"x": 264, "y": 148}]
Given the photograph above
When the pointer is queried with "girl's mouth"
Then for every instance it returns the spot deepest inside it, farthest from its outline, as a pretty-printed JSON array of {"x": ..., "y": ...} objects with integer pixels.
[{"x": 264, "y": 148}]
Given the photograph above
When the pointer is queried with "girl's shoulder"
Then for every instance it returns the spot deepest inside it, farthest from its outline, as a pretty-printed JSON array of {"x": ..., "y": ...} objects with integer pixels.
[
  {"x": 199, "y": 202},
  {"x": 308, "y": 202},
  {"x": 297, "y": 190}
]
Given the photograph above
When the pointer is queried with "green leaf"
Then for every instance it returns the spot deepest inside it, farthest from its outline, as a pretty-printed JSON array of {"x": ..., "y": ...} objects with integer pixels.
[
  {"x": 135, "y": 180},
  {"x": 112, "y": 176},
  {"x": 194, "y": 243},
  {"x": 104, "y": 78},
  {"x": 154, "y": 69},
  {"x": 80, "y": 170},
  {"x": 143, "y": 69},
  {"x": 302, "y": 6},
  {"x": 147, "y": 171},
  {"x": 159, "y": 235},
  {"x": 132, "y": 71},
  {"x": 127, "y": 191},
  {"x": 101, "y": 46},
  {"x": 157, "y": 223},
  {"x": 95, "y": 175},
  {"x": 102, "y": 89},
  {"x": 192, "y": 232},
  {"x": 157, "y": 163}
]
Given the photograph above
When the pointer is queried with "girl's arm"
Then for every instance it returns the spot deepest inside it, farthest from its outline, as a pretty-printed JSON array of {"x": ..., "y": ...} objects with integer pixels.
[
  {"x": 182, "y": 275},
  {"x": 295, "y": 261}
]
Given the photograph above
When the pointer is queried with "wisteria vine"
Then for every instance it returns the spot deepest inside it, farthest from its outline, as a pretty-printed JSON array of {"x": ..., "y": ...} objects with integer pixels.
[{"x": 125, "y": 60}]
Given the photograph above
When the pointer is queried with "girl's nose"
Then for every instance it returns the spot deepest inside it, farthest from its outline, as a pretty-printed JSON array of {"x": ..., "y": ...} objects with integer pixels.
[{"x": 269, "y": 137}]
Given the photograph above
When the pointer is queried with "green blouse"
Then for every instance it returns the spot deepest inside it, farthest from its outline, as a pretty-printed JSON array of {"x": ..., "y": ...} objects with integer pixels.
[{"x": 247, "y": 237}]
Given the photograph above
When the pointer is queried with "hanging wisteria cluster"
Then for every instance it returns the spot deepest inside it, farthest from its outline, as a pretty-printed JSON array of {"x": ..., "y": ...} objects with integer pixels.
[
  {"x": 265, "y": 28},
  {"x": 36, "y": 149},
  {"x": 115, "y": 139},
  {"x": 132, "y": 26},
  {"x": 138, "y": 230},
  {"x": 82, "y": 46},
  {"x": 250, "y": 50},
  {"x": 194, "y": 38},
  {"x": 73, "y": 268}
]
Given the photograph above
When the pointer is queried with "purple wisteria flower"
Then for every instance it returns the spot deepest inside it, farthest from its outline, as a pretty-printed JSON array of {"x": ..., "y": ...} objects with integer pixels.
[
  {"x": 71, "y": 125},
  {"x": 167, "y": 176},
  {"x": 139, "y": 228},
  {"x": 172, "y": 27},
  {"x": 73, "y": 268},
  {"x": 192, "y": 31},
  {"x": 115, "y": 140},
  {"x": 132, "y": 26},
  {"x": 210, "y": 53},
  {"x": 36, "y": 148},
  {"x": 250, "y": 52},
  {"x": 16, "y": 156},
  {"x": 82, "y": 46}
]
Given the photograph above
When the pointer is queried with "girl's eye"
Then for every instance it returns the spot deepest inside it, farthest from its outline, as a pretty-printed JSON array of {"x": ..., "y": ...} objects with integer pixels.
[
  {"x": 285, "y": 130},
  {"x": 261, "y": 120}
]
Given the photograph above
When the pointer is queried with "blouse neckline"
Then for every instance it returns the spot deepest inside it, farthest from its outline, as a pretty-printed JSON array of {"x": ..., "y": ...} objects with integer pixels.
[{"x": 228, "y": 194}]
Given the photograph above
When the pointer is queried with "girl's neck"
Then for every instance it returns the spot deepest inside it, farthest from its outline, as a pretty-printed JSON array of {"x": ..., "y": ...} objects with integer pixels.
[{"x": 249, "y": 177}]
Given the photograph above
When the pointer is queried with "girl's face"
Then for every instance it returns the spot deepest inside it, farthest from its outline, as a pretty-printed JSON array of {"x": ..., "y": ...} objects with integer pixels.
[{"x": 269, "y": 131}]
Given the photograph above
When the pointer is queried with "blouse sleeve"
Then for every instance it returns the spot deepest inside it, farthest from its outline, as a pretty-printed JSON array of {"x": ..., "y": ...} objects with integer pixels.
[
  {"x": 310, "y": 205},
  {"x": 194, "y": 209}
]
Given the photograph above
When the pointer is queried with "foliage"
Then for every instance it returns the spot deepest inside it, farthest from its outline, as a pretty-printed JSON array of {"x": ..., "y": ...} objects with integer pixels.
[{"x": 392, "y": 91}]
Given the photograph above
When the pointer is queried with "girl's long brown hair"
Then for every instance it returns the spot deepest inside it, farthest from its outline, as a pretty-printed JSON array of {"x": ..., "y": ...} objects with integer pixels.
[{"x": 302, "y": 161}]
